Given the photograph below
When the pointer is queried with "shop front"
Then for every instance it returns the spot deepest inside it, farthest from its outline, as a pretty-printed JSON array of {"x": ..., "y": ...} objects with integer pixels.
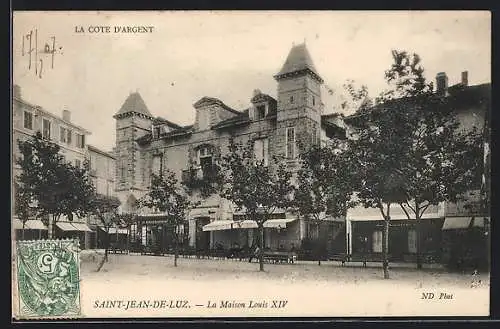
[
  {"x": 73, "y": 230},
  {"x": 34, "y": 229},
  {"x": 157, "y": 235}
]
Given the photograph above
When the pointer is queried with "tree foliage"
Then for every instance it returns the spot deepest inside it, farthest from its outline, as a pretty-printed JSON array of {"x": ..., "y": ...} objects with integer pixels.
[
  {"x": 56, "y": 187},
  {"x": 410, "y": 149},
  {"x": 167, "y": 196},
  {"x": 252, "y": 186}
]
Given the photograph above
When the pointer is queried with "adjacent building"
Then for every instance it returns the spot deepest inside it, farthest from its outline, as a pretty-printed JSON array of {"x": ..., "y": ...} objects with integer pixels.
[{"x": 27, "y": 119}]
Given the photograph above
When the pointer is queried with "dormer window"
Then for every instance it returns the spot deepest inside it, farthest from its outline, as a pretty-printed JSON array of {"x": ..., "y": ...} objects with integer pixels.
[
  {"x": 156, "y": 131},
  {"x": 260, "y": 112}
]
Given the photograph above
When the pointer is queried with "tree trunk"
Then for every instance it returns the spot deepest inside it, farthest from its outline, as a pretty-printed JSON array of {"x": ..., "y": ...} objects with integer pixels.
[
  {"x": 261, "y": 252},
  {"x": 419, "y": 246},
  {"x": 106, "y": 249},
  {"x": 176, "y": 253},
  {"x": 22, "y": 233},
  {"x": 385, "y": 247}
]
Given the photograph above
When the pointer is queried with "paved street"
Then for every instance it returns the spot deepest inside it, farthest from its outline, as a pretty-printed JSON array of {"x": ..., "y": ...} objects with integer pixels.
[{"x": 309, "y": 289}]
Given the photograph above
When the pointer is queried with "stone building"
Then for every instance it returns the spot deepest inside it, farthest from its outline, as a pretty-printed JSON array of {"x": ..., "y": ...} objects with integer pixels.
[
  {"x": 27, "y": 119},
  {"x": 147, "y": 144}
]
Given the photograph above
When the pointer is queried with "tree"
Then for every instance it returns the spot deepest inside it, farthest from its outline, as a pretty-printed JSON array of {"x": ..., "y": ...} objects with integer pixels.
[
  {"x": 324, "y": 184},
  {"x": 255, "y": 187},
  {"x": 167, "y": 196},
  {"x": 57, "y": 188},
  {"x": 105, "y": 209},
  {"x": 410, "y": 150}
]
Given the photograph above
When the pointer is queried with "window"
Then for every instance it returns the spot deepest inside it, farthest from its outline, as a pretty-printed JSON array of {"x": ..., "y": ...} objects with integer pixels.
[
  {"x": 412, "y": 241},
  {"x": 123, "y": 170},
  {"x": 314, "y": 100},
  {"x": 157, "y": 165},
  {"x": 28, "y": 120},
  {"x": 46, "y": 128},
  {"x": 80, "y": 141},
  {"x": 78, "y": 163},
  {"x": 260, "y": 112},
  {"x": 314, "y": 136},
  {"x": 62, "y": 134},
  {"x": 377, "y": 241},
  {"x": 68, "y": 136},
  {"x": 205, "y": 160},
  {"x": 261, "y": 150},
  {"x": 290, "y": 143}
]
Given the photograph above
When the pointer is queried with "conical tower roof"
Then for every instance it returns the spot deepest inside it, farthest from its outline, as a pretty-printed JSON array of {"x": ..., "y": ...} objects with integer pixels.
[
  {"x": 134, "y": 104},
  {"x": 298, "y": 59}
]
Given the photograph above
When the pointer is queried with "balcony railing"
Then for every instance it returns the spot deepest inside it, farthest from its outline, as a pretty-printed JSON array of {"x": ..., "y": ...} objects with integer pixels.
[{"x": 198, "y": 177}]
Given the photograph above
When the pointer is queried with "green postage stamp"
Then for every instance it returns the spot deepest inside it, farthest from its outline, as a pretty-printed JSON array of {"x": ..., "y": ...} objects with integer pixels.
[{"x": 48, "y": 279}]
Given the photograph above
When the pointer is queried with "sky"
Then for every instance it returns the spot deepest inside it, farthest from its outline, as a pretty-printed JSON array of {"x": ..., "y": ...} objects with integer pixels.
[{"x": 227, "y": 55}]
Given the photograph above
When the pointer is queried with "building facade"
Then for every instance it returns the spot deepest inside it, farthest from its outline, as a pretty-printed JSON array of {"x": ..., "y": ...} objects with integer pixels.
[
  {"x": 102, "y": 173},
  {"x": 147, "y": 144},
  {"x": 27, "y": 120},
  {"x": 452, "y": 233}
]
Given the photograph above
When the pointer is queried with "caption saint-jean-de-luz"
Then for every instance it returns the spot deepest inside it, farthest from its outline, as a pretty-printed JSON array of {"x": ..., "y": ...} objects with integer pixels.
[
  {"x": 105, "y": 29},
  {"x": 131, "y": 304}
]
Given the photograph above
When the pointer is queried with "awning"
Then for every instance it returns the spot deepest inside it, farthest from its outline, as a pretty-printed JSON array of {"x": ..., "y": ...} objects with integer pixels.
[
  {"x": 31, "y": 224},
  {"x": 65, "y": 226},
  {"x": 479, "y": 221},
  {"x": 114, "y": 230},
  {"x": 218, "y": 225},
  {"x": 278, "y": 223},
  {"x": 81, "y": 227},
  {"x": 17, "y": 224},
  {"x": 36, "y": 224},
  {"x": 451, "y": 223},
  {"x": 245, "y": 224}
]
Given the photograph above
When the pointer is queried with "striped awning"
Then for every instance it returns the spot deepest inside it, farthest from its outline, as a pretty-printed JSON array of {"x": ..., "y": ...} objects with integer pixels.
[
  {"x": 245, "y": 224},
  {"x": 278, "y": 223},
  {"x": 454, "y": 223},
  {"x": 31, "y": 224},
  {"x": 66, "y": 226},
  {"x": 219, "y": 225}
]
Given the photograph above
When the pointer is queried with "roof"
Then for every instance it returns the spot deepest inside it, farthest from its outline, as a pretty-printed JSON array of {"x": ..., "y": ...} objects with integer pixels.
[
  {"x": 214, "y": 101},
  {"x": 460, "y": 97},
  {"x": 298, "y": 59},
  {"x": 160, "y": 120},
  {"x": 240, "y": 119},
  {"x": 134, "y": 104},
  {"x": 97, "y": 150},
  {"x": 52, "y": 115}
]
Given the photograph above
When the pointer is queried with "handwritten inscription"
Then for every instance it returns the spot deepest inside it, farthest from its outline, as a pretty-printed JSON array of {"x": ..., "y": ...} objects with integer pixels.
[
  {"x": 35, "y": 51},
  {"x": 107, "y": 29}
]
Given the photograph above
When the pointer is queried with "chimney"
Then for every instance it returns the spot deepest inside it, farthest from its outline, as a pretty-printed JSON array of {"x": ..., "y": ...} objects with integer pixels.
[
  {"x": 441, "y": 84},
  {"x": 66, "y": 115},
  {"x": 465, "y": 78},
  {"x": 16, "y": 91}
]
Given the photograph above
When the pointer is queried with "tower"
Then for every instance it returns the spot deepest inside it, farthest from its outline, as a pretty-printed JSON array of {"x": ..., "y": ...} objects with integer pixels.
[
  {"x": 133, "y": 120},
  {"x": 299, "y": 103}
]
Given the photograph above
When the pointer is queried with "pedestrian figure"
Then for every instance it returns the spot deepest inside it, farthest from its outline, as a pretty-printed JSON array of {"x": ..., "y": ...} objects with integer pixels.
[{"x": 255, "y": 254}]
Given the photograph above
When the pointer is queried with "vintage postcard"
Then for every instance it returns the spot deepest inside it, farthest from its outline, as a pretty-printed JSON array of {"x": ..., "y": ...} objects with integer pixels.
[{"x": 250, "y": 164}]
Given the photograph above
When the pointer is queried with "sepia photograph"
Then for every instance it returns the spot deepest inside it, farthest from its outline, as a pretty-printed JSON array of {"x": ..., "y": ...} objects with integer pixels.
[{"x": 250, "y": 164}]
